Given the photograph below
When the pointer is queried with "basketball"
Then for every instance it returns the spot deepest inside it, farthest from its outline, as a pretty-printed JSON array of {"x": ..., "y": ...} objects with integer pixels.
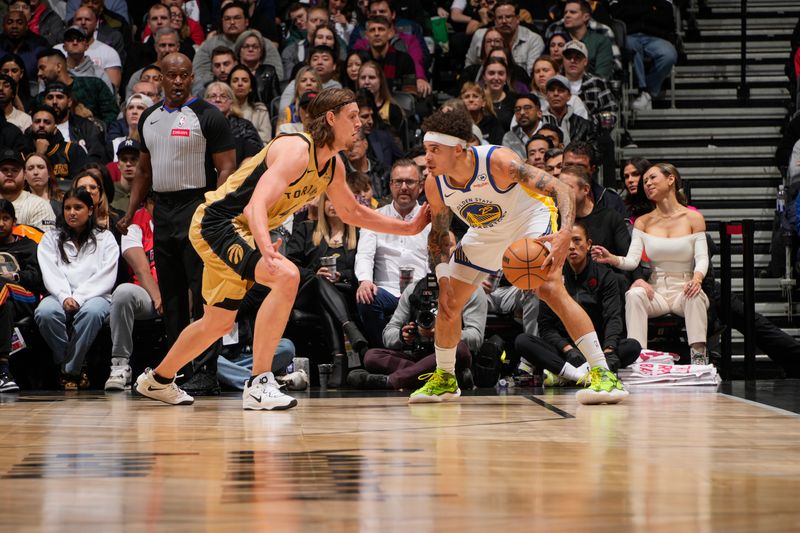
[{"x": 522, "y": 262}]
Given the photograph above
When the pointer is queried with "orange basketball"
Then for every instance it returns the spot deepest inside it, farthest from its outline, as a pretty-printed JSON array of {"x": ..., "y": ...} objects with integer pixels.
[{"x": 522, "y": 264}]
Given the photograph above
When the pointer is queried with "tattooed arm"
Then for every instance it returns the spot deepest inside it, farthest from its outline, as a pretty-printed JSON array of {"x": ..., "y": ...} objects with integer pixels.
[{"x": 439, "y": 236}]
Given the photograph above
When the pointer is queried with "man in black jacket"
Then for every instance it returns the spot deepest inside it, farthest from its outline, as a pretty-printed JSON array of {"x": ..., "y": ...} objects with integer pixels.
[
  {"x": 559, "y": 112},
  {"x": 75, "y": 128},
  {"x": 594, "y": 287},
  {"x": 67, "y": 158},
  {"x": 583, "y": 154},
  {"x": 20, "y": 285}
]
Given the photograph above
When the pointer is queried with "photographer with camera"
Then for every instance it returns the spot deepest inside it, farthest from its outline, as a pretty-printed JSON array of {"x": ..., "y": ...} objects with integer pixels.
[{"x": 408, "y": 337}]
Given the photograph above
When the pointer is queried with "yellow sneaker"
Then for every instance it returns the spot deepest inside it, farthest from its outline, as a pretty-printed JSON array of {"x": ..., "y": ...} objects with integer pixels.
[
  {"x": 602, "y": 386},
  {"x": 440, "y": 387}
]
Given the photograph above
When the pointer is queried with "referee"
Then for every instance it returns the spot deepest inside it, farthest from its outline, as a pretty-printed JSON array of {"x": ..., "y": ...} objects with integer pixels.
[{"x": 187, "y": 149}]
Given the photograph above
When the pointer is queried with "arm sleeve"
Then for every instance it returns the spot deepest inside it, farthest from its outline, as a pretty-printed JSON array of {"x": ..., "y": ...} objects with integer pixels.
[
  {"x": 631, "y": 261},
  {"x": 101, "y": 282},
  {"x": 473, "y": 320},
  {"x": 700, "y": 253},
  {"x": 216, "y": 130},
  {"x": 365, "y": 256},
  {"x": 55, "y": 281},
  {"x": 402, "y": 316}
]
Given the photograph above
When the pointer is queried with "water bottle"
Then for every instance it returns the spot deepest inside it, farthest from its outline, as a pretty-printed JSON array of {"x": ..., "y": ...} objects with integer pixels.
[{"x": 780, "y": 204}]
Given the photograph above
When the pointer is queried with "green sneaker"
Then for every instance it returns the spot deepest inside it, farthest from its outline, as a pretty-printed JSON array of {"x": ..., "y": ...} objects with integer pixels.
[
  {"x": 440, "y": 386},
  {"x": 602, "y": 386},
  {"x": 554, "y": 380}
]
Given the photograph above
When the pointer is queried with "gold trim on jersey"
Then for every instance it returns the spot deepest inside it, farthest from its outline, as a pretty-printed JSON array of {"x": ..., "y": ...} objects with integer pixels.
[{"x": 548, "y": 202}]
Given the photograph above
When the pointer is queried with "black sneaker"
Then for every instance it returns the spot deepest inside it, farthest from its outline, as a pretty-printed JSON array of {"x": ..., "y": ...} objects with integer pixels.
[
  {"x": 202, "y": 383},
  {"x": 361, "y": 379},
  {"x": 465, "y": 379},
  {"x": 7, "y": 383}
]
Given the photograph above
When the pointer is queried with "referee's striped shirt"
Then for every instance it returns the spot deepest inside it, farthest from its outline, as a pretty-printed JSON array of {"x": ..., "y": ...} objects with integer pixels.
[{"x": 180, "y": 143}]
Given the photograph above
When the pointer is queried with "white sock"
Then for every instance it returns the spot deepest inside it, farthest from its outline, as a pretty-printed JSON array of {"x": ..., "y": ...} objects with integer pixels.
[
  {"x": 446, "y": 359},
  {"x": 591, "y": 350},
  {"x": 572, "y": 373}
]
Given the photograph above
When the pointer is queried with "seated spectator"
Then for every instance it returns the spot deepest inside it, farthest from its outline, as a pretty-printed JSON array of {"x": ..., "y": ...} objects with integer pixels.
[
  {"x": 535, "y": 150},
  {"x": 79, "y": 266},
  {"x": 17, "y": 38},
  {"x": 300, "y": 114},
  {"x": 479, "y": 105},
  {"x": 109, "y": 27},
  {"x": 246, "y": 102},
  {"x": 524, "y": 43},
  {"x": 408, "y": 351},
  {"x": 47, "y": 23},
  {"x": 503, "y": 298},
  {"x": 598, "y": 38},
  {"x": 105, "y": 216},
  {"x": 139, "y": 299},
  {"x": 306, "y": 80},
  {"x": 296, "y": 23},
  {"x": 560, "y": 114},
  {"x": 128, "y": 153},
  {"x": 359, "y": 160},
  {"x": 8, "y": 92},
  {"x": 186, "y": 27},
  {"x": 76, "y": 43},
  {"x": 493, "y": 41},
  {"x": 380, "y": 256},
  {"x": 343, "y": 18},
  {"x": 545, "y": 68},
  {"x": 329, "y": 293},
  {"x": 127, "y": 126},
  {"x": 296, "y": 50},
  {"x": 348, "y": 75},
  {"x": 383, "y": 146},
  {"x": 593, "y": 91},
  {"x": 516, "y": 81},
  {"x": 322, "y": 62},
  {"x": 151, "y": 74},
  {"x": 495, "y": 81},
  {"x": 92, "y": 92},
  {"x": 41, "y": 182},
  {"x": 554, "y": 161},
  {"x": 636, "y": 202},
  {"x": 555, "y": 47},
  {"x": 673, "y": 237},
  {"x": 594, "y": 287},
  {"x": 246, "y": 138},
  {"x": 66, "y": 157},
  {"x": 235, "y": 372},
  {"x": 11, "y": 65},
  {"x": 582, "y": 154},
  {"x": 371, "y": 78},
  {"x": 19, "y": 290},
  {"x": 361, "y": 185},
  {"x": 29, "y": 208},
  {"x": 166, "y": 42},
  {"x": 526, "y": 123},
  {"x": 147, "y": 52},
  {"x": 250, "y": 50},
  {"x": 397, "y": 66},
  {"x": 106, "y": 46},
  {"x": 223, "y": 59},
  {"x": 649, "y": 25},
  {"x": 553, "y": 133},
  {"x": 74, "y": 128}
]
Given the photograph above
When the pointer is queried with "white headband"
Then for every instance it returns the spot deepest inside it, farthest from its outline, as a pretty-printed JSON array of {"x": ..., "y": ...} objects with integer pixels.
[{"x": 443, "y": 138}]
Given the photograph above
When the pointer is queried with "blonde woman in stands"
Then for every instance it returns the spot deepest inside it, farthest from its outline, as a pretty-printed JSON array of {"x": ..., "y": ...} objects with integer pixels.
[{"x": 673, "y": 237}]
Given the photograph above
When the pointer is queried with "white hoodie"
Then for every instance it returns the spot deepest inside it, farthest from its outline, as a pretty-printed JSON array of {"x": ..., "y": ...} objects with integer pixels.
[{"x": 91, "y": 272}]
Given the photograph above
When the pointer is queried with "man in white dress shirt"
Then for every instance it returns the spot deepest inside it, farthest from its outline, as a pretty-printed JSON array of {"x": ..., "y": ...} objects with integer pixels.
[{"x": 381, "y": 255}]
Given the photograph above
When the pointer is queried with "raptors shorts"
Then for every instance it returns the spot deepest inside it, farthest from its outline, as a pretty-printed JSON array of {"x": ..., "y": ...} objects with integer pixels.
[{"x": 229, "y": 255}]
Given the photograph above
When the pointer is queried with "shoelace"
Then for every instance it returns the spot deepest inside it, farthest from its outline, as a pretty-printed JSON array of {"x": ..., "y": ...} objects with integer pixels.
[{"x": 589, "y": 377}]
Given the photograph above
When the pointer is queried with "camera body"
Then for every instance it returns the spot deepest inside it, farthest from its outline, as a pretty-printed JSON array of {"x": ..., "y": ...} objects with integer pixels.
[{"x": 426, "y": 306}]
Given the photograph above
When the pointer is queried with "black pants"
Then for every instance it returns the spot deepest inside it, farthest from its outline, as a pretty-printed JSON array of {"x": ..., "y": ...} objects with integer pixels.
[
  {"x": 544, "y": 355},
  {"x": 335, "y": 304}
]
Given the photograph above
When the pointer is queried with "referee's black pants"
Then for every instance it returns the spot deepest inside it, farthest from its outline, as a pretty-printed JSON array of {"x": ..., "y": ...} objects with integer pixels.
[{"x": 179, "y": 268}]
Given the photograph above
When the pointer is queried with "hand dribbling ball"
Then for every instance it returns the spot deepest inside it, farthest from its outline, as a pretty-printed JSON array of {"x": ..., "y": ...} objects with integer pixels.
[{"x": 522, "y": 264}]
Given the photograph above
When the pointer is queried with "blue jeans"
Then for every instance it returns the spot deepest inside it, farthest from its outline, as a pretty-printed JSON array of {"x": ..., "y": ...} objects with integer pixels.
[
  {"x": 662, "y": 53},
  {"x": 376, "y": 315},
  {"x": 69, "y": 347},
  {"x": 235, "y": 373}
]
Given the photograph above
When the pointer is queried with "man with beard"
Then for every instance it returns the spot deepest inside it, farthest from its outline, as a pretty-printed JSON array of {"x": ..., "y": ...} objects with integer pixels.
[
  {"x": 29, "y": 208},
  {"x": 18, "y": 40},
  {"x": 67, "y": 158},
  {"x": 8, "y": 88},
  {"x": 527, "y": 121},
  {"x": 74, "y": 128}
]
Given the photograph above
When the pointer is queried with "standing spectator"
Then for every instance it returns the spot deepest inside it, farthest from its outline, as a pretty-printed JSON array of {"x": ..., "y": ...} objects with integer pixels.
[
  {"x": 245, "y": 136},
  {"x": 577, "y": 18},
  {"x": 127, "y": 127},
  {"x": 8, "y": 91},
  {"x": 19, "y": 291},
  {"x": 30, "y": 209},
  {"x": 235, "y": 20},
  {"x": 139, "y": 299},
  {"x": 380, "y": 256},
  {"x": 41, "y": 182},
  {"x": 92, "y": 92},
  {"x": 527, "y": 121},
  {"x": 525, "y": 45},
  {"x": 184, "y": 154},
  {"x": 42, "y": 20},
  {"x": 67, "y": 158},
  {"x": 79, "y": 267},
  {"x": 250, "y": 49},
  {"x": 74, "y": 128},
  {"x": 128, "y": 153},
  {"x": 398, "y": 67},
  {"x": 12, "y": 66},
  {"x": 17, "y": 39},
  {"x": 76, "y": 42},
  {"x": 322, "y": 62},
  {"x": 244, "y": 86},
  {"x": 560, "y": 114},
  {"x": 106, "y": 46},
  {"x": 650, "y": 24},
  {"x": 479, "y": 105}
]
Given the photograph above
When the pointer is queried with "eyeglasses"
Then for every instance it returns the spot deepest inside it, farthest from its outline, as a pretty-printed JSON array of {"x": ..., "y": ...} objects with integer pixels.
[
  {"x": 407, "y": 183},
  {"x": 521, "y": 108},
  {"x": 218, "y": 97}
]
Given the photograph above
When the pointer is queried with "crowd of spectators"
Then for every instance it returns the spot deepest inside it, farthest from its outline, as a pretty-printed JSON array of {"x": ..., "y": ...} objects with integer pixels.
[{"x": 117, "y": 118}]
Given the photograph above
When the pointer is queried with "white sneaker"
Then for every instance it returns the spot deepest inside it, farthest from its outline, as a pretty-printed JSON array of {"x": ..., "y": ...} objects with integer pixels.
[
  {"x": 643, "y": 102},
  {"x": 297, "y": 380},
  {"x": 264, "y": 394},
  {"x": 146, "y": 385},
  {"x": 119, "y": 379}
]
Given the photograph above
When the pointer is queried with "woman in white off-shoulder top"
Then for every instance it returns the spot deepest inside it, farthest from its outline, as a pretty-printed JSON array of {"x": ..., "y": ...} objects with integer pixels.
[{"x": 673, "y": 237}]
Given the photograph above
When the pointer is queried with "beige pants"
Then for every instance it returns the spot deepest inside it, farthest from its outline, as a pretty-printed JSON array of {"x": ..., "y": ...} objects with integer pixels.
[{"x": 668, "y": 298}]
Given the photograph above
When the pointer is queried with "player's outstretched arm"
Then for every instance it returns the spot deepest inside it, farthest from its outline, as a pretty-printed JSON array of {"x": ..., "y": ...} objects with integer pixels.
[
  {"x": 439, "y": 237},
  {"x": 352, "y": 212}
]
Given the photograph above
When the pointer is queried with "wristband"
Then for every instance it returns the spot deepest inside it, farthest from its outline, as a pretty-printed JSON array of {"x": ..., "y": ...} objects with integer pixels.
[{"x": 442, "y": 270}]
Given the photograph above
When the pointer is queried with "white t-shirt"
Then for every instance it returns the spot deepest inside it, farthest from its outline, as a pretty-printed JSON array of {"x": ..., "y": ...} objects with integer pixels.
[
  {"x": 64, "y": 129},
  {"x": 101, "y": 54}
]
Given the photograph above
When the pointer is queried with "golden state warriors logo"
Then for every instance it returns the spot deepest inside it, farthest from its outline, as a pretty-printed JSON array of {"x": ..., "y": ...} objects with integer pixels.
[
  {"x": 235, "y": 253},
  {"x": 481, "y": 215}
]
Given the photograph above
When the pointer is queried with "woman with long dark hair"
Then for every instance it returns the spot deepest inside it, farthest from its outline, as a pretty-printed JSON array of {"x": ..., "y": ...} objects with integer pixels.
[
  {"x": 244, "y": 86},
  {"x": 12, "y": 65},
  {"x": 635, "y": 199},
  {"x": 78, "y": 261}
]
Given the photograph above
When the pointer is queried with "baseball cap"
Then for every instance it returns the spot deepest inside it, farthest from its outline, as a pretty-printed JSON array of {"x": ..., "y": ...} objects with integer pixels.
[
  {"x": 7, "y": 154},
  {"x": 76, "y": 30},
  {"x": 128, "y": 145},
  {"x": 577, "y": 46},
  {"x": 57, "y": 87},
  {"x": 558, "y": 79},
  {"x": 307, "y": 97}
]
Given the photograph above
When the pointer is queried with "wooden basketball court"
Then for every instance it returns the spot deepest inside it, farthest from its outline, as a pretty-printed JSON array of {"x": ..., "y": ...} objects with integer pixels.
[{"x": 664, "y": 460}]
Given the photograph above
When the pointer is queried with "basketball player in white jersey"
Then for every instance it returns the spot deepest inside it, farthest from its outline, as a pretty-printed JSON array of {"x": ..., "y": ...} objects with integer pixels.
[{"x": 502, "y": 199}]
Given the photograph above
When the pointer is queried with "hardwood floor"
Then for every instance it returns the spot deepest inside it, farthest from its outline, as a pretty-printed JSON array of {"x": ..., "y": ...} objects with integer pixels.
[{"x": 664, "y": 460}]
